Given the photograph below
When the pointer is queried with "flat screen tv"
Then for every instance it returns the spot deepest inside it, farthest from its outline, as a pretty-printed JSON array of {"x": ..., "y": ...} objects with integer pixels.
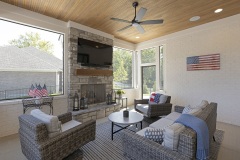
[{"x": 92, "y": 53}]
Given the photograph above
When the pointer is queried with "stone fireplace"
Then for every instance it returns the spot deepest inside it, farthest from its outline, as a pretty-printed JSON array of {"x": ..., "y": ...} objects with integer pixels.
[{"x": 90, "y": 82}]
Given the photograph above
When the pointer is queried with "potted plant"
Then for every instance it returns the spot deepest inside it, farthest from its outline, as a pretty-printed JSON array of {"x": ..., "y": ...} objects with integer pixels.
[{"x": 120, "y": 92}]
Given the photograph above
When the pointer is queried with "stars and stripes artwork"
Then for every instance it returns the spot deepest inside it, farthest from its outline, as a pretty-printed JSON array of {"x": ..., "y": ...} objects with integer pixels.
[
  {"x": 204, "y": 62},
  {"x": 38, "y": 91}
]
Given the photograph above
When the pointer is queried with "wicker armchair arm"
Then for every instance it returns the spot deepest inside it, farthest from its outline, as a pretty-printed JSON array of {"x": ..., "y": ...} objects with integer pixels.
[
  {"x": 70, "y": 140},
  {"x": 34, "y": 127},
  {"x": 65, "y": 117},
  {"x": 137, "y": 147},
  {"x": 178, "y": 109},
  {"x": 159, "y": 109}
]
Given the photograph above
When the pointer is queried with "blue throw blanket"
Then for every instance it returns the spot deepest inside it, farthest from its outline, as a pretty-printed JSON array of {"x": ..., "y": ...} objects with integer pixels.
[{"x": 201, "y": 128}]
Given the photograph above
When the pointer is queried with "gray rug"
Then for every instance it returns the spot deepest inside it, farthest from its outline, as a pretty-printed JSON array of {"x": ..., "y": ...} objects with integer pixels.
[{"x": 105, "y": 149}]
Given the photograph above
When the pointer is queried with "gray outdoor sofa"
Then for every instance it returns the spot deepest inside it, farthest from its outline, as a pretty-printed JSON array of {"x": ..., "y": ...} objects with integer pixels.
[
  {"x": 138, "y": 147},
  {"x": 37, "y": 145}
]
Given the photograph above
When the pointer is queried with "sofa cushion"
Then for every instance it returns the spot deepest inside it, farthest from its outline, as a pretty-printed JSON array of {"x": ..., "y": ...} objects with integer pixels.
[
  {"x": 52, "y": 122},
  {"x": 163, "y": 98},
  {"x": 171, "y": 135},
  {"x": 142, "y": 107},
  {"x": 155, "y": 135},
  {"x": 70, "y": 124},
  {"x": 173, "y": 116},
  {"x": 161, "y": 123}
]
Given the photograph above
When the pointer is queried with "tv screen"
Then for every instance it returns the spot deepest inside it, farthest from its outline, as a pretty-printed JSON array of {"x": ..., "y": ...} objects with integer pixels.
[{"x": 92, "y": 53}]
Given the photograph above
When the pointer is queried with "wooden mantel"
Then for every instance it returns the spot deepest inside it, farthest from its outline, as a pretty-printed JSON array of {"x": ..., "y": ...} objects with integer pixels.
[{"x": 94, "y": 72}]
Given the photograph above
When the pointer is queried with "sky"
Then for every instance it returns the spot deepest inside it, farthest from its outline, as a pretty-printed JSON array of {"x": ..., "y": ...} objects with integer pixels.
[{"x": 10, "y": 31}]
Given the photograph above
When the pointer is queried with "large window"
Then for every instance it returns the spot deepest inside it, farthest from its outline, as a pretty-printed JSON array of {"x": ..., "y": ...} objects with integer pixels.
[
  {"x": 30, "y": 57},
  {"x": 122, "y": 68}
]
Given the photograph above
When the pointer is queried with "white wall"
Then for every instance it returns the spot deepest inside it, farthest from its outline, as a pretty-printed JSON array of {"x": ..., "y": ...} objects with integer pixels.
[{"x": 190, "y": 87}]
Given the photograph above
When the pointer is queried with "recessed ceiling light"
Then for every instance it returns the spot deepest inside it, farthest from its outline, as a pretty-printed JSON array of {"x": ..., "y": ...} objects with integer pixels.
[
  {"x": 137, "y": 37},
  {"x": 218, "y": 10},
  {"x": 195, "y": 18}
]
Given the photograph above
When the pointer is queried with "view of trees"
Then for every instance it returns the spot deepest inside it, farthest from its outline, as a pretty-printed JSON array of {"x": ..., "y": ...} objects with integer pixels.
[
  {"x": 148, "y": 55},
  {"x": 148, "y": 72},
  {"x": 122, "y": 68},
  {"x": 33, "y": 39}
]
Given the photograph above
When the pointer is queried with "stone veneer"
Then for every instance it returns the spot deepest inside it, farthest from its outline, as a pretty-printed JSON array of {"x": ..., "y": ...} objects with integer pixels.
[
  {"x": 74, "y": 81},
  {"x": 99, "y": 111}
]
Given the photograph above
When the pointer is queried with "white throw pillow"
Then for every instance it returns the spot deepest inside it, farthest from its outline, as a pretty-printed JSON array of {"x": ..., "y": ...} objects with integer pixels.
[
  {"x": 52, "y": 122},
  {"x": 171, "y": 135},
  {"x": 190, "y": 110},
  {"x": 163, "y": 98},
  {"x": 203, "y": 104}
]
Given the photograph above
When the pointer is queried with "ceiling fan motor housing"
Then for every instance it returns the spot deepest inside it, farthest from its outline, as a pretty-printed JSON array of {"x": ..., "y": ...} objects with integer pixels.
[{"x": 135, "y": 4}]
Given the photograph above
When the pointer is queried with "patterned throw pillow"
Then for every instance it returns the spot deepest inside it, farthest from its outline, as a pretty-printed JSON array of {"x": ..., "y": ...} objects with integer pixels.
[
  {"x": 186, "y": 109},
  {"x": 155, "y": 135},
  {"x": 154, "y": 98},
  {"x": 151, "y": 98},
  {"x": 157, "y": 97}
]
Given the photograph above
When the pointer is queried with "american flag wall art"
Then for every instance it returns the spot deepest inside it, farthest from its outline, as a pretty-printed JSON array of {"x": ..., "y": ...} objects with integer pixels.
[{"x": 204, "y": 62}]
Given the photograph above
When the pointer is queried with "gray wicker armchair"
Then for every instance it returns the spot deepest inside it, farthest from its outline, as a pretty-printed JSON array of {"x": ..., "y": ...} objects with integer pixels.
[
  {"x": 36, "y": 144},
  {"x": 154, "y": 110}
]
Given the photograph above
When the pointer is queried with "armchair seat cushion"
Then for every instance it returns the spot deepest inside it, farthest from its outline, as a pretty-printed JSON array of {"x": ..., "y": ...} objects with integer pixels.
[
  {"x": 142, "y": 108},
  {"x": 70, "y": 124}
]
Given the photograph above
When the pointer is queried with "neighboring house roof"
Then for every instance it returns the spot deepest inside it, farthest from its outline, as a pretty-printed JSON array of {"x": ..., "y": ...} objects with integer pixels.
[{"x": 28, "y": 59}]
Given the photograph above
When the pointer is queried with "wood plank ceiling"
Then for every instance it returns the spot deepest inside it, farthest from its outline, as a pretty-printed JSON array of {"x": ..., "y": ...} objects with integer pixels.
[{"x": 97, "y": 13}]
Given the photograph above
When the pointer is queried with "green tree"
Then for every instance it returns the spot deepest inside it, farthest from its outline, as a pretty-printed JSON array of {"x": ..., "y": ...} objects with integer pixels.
[
  {"x": 33, "y": 39},
  {"x": 120, "y": 74},
  {"x": 148, "y": 55},
  {"x": 122, "y": 66}
]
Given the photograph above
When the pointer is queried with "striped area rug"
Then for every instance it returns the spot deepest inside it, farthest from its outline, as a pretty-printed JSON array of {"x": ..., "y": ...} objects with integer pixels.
[{"x": 103, "y": 148}]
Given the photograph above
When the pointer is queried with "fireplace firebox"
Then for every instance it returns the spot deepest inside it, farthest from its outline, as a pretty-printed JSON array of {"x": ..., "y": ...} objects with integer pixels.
[{"x": 95, "y": 93}]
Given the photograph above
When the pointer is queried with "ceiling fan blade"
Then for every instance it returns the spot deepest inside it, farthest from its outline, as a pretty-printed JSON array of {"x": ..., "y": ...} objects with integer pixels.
[
  {"x": 120, "y": 20},
  {"x": 124, "y": 28},
  {"x": 140, "y": 28},
  {"x": 140, "y": 14},
  {"x": 160, "y": 21}
]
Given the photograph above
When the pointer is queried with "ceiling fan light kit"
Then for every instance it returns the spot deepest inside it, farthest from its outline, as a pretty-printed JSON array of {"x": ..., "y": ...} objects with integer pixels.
[{"x": 136, "y": 22}]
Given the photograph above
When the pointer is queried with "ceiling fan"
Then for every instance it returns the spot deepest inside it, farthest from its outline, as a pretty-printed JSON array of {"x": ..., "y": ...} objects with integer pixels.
[{"x": 136, "y": 22}]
